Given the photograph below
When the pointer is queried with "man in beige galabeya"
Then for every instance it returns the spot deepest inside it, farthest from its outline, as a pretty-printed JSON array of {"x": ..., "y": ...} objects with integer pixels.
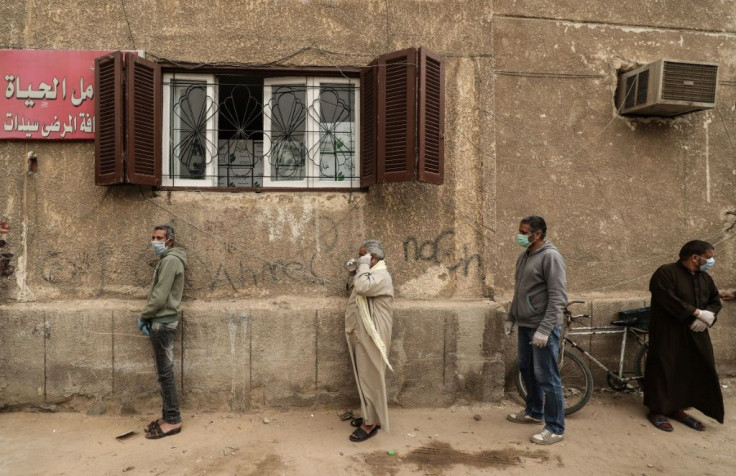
[{"x": 368, "y": 325}]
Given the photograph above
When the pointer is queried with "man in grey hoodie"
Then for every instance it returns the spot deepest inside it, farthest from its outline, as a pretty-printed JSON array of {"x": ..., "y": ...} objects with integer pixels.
[
  {"x": 540, "y": 297},
  {"x": 159, "y": 320}
]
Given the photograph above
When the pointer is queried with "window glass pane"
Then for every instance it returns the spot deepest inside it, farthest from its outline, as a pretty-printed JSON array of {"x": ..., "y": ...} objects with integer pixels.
[
  {"x": 191, "y": 148},
  {"x": 240, "y": 131},
  {"x": 240, "y": 163},
  {"x": 337, "y": 132},
  {"x": 288, "y": 152}
]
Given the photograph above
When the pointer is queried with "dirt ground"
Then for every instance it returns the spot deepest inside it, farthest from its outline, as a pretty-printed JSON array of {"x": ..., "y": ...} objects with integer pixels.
[{"x": 609, "y": 436}]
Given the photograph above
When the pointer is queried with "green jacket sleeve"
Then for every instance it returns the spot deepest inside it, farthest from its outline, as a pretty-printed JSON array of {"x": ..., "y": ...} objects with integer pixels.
[{"x": 161, "y": 287}]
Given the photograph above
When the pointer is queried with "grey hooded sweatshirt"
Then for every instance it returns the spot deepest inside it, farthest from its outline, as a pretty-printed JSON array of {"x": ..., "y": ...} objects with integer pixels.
[{"x": 540, "y": 295}]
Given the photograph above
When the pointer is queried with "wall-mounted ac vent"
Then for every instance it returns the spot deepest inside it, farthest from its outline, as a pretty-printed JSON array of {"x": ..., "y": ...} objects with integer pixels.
[{"x": 667, "y": 88}]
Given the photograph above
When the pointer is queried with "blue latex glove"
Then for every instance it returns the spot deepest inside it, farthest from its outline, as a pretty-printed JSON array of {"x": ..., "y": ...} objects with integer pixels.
[{"x": 143, "y": 327}]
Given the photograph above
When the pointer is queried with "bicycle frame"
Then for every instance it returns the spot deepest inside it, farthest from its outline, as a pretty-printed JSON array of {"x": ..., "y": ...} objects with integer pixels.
[
  {"x": 577, "y": 380},
  {"x": 604, "y": 330}
]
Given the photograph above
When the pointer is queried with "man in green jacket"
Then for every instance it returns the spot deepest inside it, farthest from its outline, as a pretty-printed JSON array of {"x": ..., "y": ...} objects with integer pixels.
[{"x": 159, "y": 320}]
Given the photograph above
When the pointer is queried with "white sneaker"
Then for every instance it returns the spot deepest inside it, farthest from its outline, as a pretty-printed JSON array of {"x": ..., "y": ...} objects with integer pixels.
[
  {"x": 546, "y": 437},
  {"x": 522, "y": 417}
]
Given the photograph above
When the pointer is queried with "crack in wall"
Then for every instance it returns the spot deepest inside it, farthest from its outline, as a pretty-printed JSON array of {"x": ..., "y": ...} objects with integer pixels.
[{"x": 634, "y": 28}]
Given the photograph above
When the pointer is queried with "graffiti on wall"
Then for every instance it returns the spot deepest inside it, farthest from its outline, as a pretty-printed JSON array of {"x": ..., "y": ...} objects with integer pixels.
[
  {"x": 301, "y": 266},
  {"x": 316, "y": 260},
  {"x": 439, "y": 250},
  {"x": 244, "y": 275}
]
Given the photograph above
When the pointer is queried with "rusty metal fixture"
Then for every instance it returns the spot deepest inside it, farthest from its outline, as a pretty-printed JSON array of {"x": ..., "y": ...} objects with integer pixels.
[
  {"x": 32, "y": 165},
  {"x": 6, "y": 269}
]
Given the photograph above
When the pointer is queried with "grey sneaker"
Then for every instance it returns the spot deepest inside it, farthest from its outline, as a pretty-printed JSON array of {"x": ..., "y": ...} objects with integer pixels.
[
  {"x": 546, "y": 437},
  {"x": 522, "y": 417}
]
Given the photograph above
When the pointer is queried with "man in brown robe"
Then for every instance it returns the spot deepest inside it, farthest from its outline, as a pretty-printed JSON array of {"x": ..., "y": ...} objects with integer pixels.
[
  {"x": 368, "y": 326},
  {"x": 680, "y": 370}
]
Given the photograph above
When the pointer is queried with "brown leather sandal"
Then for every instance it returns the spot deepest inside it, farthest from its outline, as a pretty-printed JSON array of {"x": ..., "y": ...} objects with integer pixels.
[
  {"x": 360, "y": 434},
  {"x": 157, "y": 432}
]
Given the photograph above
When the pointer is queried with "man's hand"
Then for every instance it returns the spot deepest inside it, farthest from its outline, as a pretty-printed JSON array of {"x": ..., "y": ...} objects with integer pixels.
[
  {"x": 143, "y": 327},
  {"x": 508, "y": 328},
  {"x": 365, "y": 259},
  {"x": 706, "y": 316},
  {"x": 728, "y": 296},
  {"x": 698, "y": 326},
  {"x": 352, "y": 265},
  {"x": 539, "y": 340}
]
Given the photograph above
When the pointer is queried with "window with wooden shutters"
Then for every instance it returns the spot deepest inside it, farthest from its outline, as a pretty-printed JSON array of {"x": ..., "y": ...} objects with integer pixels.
[
  {"x": 369, "y": 121},
  {"x": 128, "y": 109},
  {"x": 250, "y": 128},
  {"x": 397, "y": 116},
  {"x": 409, "y": 118},
  {"x": 109, "y": 166},
  {"x": 143, "y": 119},
  {"x": 431, "y": 127}
]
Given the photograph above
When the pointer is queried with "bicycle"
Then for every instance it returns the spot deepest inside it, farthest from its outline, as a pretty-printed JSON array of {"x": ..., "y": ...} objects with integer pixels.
[{"x": 577, "y": 379}]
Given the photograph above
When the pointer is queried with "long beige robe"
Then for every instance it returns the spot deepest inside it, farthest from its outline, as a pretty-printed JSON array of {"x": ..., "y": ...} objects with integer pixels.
[{"x": 368, "y": 365}]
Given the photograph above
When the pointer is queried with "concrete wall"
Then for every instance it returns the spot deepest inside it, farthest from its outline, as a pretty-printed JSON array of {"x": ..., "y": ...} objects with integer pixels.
[
  {"x": 241, "y": 355},
  {"x": 531, "y": 128}
]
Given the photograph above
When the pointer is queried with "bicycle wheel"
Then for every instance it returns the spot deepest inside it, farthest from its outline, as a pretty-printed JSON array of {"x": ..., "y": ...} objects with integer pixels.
[
  {"x": 641, "y": 361},
  {"x": 577, "y": 382}
]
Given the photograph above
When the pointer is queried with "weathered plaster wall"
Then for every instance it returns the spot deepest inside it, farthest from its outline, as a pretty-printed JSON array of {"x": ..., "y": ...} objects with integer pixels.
[
  {"x": 621, "y": 195},
  {"x": 531, "y": 128},
  {"x": 256, "y": 244}
]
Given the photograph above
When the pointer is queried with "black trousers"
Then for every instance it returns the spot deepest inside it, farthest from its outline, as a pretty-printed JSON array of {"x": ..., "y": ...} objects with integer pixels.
[{"x": 162, "y": 339}]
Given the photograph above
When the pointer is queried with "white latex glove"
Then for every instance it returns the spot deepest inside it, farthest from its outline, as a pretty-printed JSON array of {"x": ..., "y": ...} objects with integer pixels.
[
  {"x": 508, "y": 328},
  {"x": 706, "y": 316},
  {"x": 352, "y": 265},
  {"x": 698, "y": 326},
  {"x": 365, "y": 259},
  {"x": 539, "y": 340}
]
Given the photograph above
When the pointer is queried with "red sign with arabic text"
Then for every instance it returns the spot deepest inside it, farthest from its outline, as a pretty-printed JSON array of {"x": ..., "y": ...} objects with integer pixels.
[{"x": 48, "y": 94}]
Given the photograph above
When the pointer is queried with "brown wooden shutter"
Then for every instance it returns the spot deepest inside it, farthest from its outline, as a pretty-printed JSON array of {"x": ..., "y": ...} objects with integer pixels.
[
  {"x": 368, "y": 123},
  {"x": 143, "y": 121},
  {"x": 110, "y": 133},
  {"x": 431, "y": 133},
  {"x": 396, "y": 157}
]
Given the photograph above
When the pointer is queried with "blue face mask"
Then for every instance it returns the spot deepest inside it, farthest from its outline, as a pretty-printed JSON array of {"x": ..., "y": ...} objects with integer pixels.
[
  {"x": 523, "y": 240},
  {"x": 705, "y": 267},
  {"x": 159, "y": 247}
]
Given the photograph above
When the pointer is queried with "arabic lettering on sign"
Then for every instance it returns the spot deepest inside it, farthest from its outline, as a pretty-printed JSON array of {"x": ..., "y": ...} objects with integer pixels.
[
  {"x": 48, "y": 94},
  {"x": 45, "y": 91},
  {"x": 85, "y": 123}
]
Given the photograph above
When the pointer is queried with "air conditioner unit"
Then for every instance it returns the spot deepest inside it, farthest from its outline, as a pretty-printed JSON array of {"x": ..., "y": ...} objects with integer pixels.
[{"x": 667, "y": 88}]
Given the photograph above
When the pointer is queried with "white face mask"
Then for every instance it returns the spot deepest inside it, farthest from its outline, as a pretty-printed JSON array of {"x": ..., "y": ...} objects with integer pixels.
[
  {"x": 159, "y": 247},
  {"x": 705, "y": 267}
]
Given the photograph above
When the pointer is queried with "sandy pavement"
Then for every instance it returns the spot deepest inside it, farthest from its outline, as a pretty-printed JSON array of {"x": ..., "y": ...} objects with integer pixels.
[{"x": 609, "y": 436}]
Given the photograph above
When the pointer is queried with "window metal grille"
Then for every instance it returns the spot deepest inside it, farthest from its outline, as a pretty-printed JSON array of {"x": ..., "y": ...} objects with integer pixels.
[{"x": 234, "y": 131}]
